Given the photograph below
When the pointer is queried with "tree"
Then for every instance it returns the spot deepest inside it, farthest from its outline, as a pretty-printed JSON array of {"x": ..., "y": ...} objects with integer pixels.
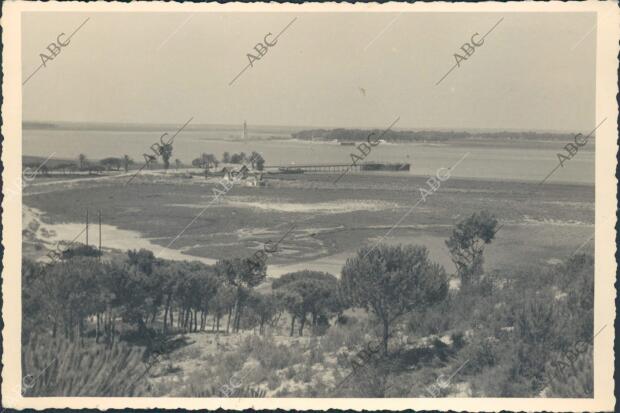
[
  {"x": 197, "y": 286},
  {"x": 165, "y": 151},
  {"x": 143, "y": 259},
  {"x": 209, "y": 159},
  {"x": 264, "y": 308},
  {"x": 236, "y": 158},
  {"x": 466, "y": 244},
  {"x": 80, "y": 250},
  {"x": 311, "y": 293},
  {"x": 293, "y": 303},
  {"x": 222, "y": 303},
  {"x": 95, "y": 168},
  {"x": 226, "y": 157},
  {"x": 126, "y": 162},
  {"x": 35, "y": 309},
  {"x": 111, "y": 163},
  {"x": 393, "y": 280},
  {"x": 242, "y": 274},
  {"x": 206, "y": 160},
  {"x": 258, "y": 162},
  {"x": 82, "y": 160},
  {"x": 129, "y": 285},
  {"x": 170, "y": 272},
  {"x": 64, "y": 167},
  {"x": 68, "y": 291},
  {"x": 177, "y": 164}
]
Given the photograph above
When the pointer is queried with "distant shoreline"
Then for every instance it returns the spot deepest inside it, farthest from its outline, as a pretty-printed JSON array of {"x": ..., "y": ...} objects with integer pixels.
[
  {"x": 148, "y": 127},
  {"x": 162, "y": 127}
]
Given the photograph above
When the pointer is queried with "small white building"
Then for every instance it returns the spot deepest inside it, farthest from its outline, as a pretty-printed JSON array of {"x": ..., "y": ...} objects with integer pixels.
[{"x": 244, "y": 176}]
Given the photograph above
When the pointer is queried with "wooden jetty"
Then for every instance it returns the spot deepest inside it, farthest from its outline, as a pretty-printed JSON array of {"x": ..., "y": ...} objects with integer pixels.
[{"x": 363, "y": 166}]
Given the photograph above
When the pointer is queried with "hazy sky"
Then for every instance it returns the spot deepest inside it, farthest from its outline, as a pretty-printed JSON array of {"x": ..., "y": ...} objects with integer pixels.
[{"x": 534, "y": 71}]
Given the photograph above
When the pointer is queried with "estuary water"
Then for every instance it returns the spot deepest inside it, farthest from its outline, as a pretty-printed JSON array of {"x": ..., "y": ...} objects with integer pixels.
[{"x": 487, "y": 160}]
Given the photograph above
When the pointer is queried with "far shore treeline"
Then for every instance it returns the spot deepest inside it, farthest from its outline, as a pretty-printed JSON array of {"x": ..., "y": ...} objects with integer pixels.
[
  {"x": 341, "y": 134},
  {"x": 358, "y": 135},
  {"x": 37, "y": 165}
]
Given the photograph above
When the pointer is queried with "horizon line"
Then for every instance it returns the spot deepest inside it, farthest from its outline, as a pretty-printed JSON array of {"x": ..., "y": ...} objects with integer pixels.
[{"x": 301, "y": 127}]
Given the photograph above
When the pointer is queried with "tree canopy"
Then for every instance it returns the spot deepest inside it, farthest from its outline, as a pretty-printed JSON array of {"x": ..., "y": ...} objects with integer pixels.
[
  {"x": 391, "y": 281},
  {"x": 308, "y": 293},
  {"x": 466, "y": 244},
  {"x": 111, "y": 163}
]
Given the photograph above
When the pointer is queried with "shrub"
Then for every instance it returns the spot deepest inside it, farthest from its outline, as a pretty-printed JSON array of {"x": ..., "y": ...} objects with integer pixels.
[
  {"x": 316, "y": 353},
  {"x": 58, "y": 367},
  {"x": 479, "y": 355},
  {"x": 458, "y": 340},
  {"x": 270, "y": 355},
  {"x": 344, "y": 335},
  {"x": 371, "y": 380},
  {"x": 283, "y": 392},
  {"x": 306, "y": 374},
  {"x": 574, "y": 379},
  {"x": 200, "y": 390},
  {"x": 497, "y": 381},
  {"x": 273, "y": 381}
]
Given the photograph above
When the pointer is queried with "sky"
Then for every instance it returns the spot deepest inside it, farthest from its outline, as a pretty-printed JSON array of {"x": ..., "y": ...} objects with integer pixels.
[{"x": 535, "y": 71}]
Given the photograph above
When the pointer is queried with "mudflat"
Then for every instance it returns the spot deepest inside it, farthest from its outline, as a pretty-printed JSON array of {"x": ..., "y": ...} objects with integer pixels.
[{"x": 541, "y": 222}]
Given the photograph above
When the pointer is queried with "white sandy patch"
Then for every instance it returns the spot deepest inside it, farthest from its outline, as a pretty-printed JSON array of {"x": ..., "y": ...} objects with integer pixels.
[
  {"x": 335, "y": 207},
  {"x": 112, "y": 237},
  {"x": 556, "y": 222},
  {"x": 338, "y": 207},
  {"x": 70, "y": 182},
  {"x": 331, "y": 264}
]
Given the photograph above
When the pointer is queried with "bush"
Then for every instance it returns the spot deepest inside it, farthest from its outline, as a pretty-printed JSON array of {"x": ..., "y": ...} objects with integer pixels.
[
  {"x": 316, "y": 353},
  {"x": 572, "y": 379},
  {"x": 283, "y": 392},
  {"x": 58, "y": 367},
  {"x": 480, "y": 354},
  {"x": 346, "y": 335},
  {"x": 201, "y": 390},
  {"x": 306, "y": 374},
  {"x": 371, "y": 380},
  {"x": 458, "y": 340},
  {"x": 497, "y": 381},
  {"x": 81, "y": 251},
  {"x": 270, "y": 355}
]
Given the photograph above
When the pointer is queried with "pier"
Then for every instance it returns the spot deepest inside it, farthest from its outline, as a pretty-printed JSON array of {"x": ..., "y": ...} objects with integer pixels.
[{"x": 326, "y": 167}]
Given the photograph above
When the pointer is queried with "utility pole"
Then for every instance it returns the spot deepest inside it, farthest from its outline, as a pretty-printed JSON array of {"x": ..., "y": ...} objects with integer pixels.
[
  {"x": 99, "y": 234},
  {"x": 86, "y": 226}
]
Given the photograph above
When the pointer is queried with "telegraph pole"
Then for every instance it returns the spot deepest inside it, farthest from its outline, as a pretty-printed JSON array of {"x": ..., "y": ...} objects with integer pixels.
[
  {"x": 86, "y": 226},
  {"x": 100, "y": 234}
]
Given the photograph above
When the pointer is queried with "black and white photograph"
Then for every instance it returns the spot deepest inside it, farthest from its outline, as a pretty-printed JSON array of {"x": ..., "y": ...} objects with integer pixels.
[{"x": 291, "y": 203}]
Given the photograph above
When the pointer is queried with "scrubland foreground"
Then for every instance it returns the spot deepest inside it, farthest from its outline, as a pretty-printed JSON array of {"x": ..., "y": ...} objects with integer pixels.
[{"x": 394, "y": 324}]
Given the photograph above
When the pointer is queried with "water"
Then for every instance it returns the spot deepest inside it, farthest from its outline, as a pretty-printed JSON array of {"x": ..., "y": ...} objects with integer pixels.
[{"x": 502, "y": 160}]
